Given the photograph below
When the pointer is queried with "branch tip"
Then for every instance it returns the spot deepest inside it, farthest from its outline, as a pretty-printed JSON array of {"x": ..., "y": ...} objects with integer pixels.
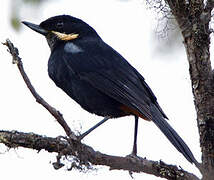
[{"x": 13, "y": 51}]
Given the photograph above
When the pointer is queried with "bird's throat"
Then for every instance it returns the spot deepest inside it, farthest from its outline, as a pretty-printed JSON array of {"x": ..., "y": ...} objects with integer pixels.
[{"x": 65, "y": 37}]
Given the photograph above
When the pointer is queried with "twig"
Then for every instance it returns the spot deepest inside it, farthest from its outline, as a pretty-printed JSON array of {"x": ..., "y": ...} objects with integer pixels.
[
  {"x": 17, "y": 60},
  {"x": 87, "y": 155}
]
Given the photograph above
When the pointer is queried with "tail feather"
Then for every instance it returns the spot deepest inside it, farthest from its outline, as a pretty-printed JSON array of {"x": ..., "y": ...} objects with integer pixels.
[{"x": 171, "y": 134}]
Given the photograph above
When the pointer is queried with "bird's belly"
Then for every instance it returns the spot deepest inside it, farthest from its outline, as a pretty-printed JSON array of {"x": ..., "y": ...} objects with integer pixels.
[{"x": 90, "y": 98}]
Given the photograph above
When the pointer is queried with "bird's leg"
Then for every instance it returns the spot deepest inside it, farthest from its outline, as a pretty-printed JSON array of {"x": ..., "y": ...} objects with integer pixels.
[
  {"x": 134, "y": 150},
  {"x": 92, "y": 128}
]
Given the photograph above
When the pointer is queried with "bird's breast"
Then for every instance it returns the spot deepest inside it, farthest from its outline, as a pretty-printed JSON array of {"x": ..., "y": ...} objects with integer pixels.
[{"x": 70, "y": 47}]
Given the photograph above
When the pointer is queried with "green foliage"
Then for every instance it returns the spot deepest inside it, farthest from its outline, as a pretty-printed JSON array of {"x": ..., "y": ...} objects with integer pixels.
[{"x": 15, "y": 22}]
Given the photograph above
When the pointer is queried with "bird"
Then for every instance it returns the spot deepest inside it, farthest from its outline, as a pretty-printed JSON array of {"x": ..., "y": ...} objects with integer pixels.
[{"x": 100, "y": 79}]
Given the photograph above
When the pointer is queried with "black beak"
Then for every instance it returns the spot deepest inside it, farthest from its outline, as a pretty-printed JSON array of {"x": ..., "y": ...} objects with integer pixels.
[{"x": 36, "y": 28}]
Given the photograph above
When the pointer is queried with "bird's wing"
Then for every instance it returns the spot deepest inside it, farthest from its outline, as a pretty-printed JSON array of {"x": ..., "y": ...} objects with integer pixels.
[{"x": 107, "y": 71}]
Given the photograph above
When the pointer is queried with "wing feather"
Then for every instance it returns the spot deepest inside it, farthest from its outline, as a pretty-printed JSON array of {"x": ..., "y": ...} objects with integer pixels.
[{"x": 107, "y": 71}]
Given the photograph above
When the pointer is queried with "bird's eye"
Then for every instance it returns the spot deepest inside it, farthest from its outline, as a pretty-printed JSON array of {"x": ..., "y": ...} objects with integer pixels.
[{"x": 60, "y": 25}]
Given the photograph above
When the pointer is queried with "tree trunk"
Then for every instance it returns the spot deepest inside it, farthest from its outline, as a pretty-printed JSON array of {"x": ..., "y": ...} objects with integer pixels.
[
  {"x": 197, "y": 48},
  {"x": 193, "y": 18}
]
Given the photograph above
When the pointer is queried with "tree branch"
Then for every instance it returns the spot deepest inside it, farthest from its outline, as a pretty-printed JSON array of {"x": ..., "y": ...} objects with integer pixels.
[
  {"x": 87, "y": 156},
  {"x": 17, "y": 60},
  {"x": 194, "y": 22}
]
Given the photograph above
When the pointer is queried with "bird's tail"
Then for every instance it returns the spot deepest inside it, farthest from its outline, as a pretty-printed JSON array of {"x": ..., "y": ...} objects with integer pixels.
[{"x": 171, "y": 134}]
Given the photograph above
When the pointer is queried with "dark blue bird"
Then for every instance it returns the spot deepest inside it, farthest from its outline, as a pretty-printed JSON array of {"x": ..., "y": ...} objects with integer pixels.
[{"x": 99, "y": 79}]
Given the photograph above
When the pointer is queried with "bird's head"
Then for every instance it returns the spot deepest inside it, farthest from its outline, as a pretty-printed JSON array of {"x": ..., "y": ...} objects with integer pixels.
[{"x": 61, "y": 29}]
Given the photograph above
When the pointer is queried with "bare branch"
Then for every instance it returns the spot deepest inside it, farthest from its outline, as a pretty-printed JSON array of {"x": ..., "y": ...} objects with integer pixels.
[
  {"x": 88, "y": 156},
  {"x": 17, "y": 60}
]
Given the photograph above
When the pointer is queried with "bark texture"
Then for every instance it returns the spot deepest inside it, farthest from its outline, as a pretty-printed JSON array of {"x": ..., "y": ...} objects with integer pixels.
[
  {"x": 85, "y": 156},
  {"x": 193, "y": 18}
]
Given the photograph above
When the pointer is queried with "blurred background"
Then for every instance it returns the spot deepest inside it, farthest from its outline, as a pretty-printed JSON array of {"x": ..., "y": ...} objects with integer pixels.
[{"x": 151, "y": 43}]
